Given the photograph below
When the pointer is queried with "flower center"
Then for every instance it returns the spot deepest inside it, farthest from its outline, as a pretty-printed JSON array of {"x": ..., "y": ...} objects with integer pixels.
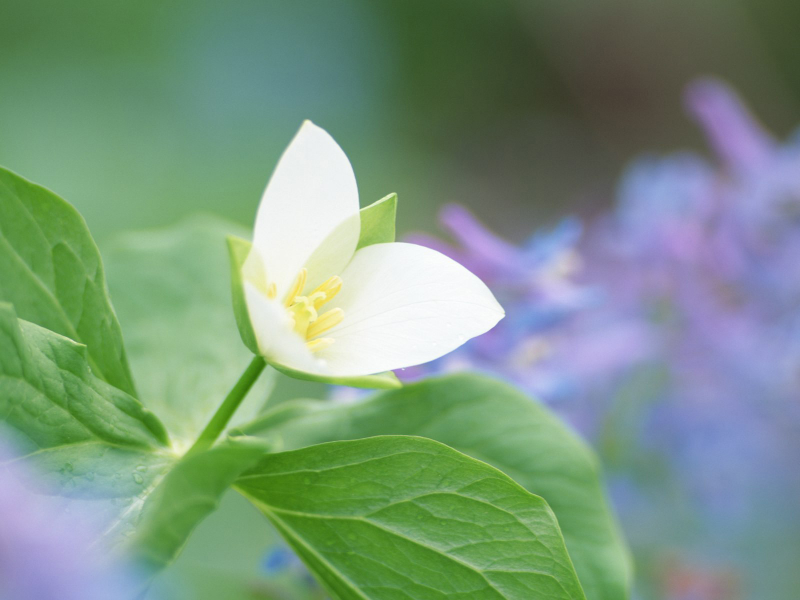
[{"x": 304, "y": 311}]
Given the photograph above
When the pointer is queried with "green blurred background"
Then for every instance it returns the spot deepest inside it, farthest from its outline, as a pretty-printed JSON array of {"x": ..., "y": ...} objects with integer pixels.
[{"x": 142, "y": 112}]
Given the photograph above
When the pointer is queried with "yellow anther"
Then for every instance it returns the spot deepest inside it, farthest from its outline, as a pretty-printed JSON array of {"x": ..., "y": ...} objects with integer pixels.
[
  {"x": 317, "y": 299},
  {"x": 319, "y": 343},
  {"x": 326, "y": 321},
  {"x": 297, "y": 287},
  {"x": 303, "y": 313},
  {"x": 326, "y": 291},
  {"x": 272, "y": 291}
]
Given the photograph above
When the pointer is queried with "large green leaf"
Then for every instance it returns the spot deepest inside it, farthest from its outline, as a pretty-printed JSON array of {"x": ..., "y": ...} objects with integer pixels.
[
  {"x": 50, "y": 270},
  {"x": 495, "y": 423},
  {"x": 89, "y": 440},
  {"x": 172, "y": 291},
  {"x": 403, "y": 517}
]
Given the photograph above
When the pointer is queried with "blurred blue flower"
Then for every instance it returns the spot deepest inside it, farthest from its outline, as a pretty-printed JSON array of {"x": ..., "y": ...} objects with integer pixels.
[
  {"x": 668, "y": 333},
  {"x": 280, "y": 561},
  {"x": 558, "y": 342},
  {"x": 711, "y": 252},
  {"x": 279, "y": 558}
]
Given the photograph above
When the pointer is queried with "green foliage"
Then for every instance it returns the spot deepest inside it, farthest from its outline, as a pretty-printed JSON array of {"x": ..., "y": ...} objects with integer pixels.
[
  {"x": 87, "y": 438},
  {"x": 100, "y": 450},
  {"x": 50, "y": 270},
  {"x": 93, "y": 444},
  {"x": 174, "y": 301},
  {"x": 392, "y": 517},
  {"x": 494, "y": 423},
  {"x": 373, "y": 518},
  {"x": 189, "y": 493},
  {"x": 50, "y": 395},
  {"x": 377, "y": 221}
]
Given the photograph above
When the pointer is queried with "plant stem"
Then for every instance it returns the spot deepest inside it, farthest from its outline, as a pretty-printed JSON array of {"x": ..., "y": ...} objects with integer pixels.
[{"x": 228, "y": 407}]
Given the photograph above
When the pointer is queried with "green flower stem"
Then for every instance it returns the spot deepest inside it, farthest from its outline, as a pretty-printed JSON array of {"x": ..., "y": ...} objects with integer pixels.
[{"x": 228, "y": 407}]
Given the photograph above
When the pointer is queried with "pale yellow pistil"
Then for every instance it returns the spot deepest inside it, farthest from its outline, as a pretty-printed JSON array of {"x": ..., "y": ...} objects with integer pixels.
[{"x": 307, "y": 321}]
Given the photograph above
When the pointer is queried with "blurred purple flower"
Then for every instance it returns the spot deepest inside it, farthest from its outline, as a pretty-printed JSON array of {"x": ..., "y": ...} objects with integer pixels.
[
  {"x": 713, "y": 252},
  {"x": 669, "y": 334},
  {"x": 739, "y": 141},
  {"x": 556, "y": 341},
  {"x": 44, "y": 556}
]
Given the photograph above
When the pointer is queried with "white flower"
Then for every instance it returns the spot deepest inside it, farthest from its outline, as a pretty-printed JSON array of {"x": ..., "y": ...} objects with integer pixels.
[{"x": 318, "y": 305}]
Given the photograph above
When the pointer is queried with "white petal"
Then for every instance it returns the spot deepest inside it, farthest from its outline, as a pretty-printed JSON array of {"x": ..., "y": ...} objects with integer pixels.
[
  {"x": 276, "y": 340},
  {"x": 333, "y": 253},
  {"x": 311, "y": 198},
  {"x": 405, "y": 305}
]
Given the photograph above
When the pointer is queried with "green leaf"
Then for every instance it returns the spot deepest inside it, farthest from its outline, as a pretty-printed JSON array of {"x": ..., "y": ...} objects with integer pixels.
[
  {"x": 189, "y": 492},
  {"x": 238, "y": 250},
  {"x": 494, "y": 423},
  {"x": 381, "y": 381},
  {"x": 86, "y": 438},
  {"x": 173, "y": 296},
  {"x": 404, "y": 517},
  {"x": 98, "y": 452},
  {"x": 378, "y": 222},
  {"x": 50, "y": 270}
]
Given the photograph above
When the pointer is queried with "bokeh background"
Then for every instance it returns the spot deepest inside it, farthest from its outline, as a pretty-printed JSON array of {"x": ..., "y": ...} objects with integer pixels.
[{"x": 140, "y": 113}]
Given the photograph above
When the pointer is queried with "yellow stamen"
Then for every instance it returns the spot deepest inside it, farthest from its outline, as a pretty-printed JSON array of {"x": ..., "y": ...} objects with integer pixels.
[
  {"x": 319, "y": 343},
  {"x": 326, "y": 291},
  {"x": 324, "y": 322},
  {"x": 317, "y": 299},
  {"x": 297, "y": 287},
  {"x": 303, "y": 313},
  {"x": 272, "y": 291}
]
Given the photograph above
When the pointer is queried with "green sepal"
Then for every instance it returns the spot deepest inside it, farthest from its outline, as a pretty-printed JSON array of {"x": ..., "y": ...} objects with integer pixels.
[
  {"x": 379, "y": 381},
  {"x": 378, "y": 222},
  {"x": 238, "y": 251}
]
